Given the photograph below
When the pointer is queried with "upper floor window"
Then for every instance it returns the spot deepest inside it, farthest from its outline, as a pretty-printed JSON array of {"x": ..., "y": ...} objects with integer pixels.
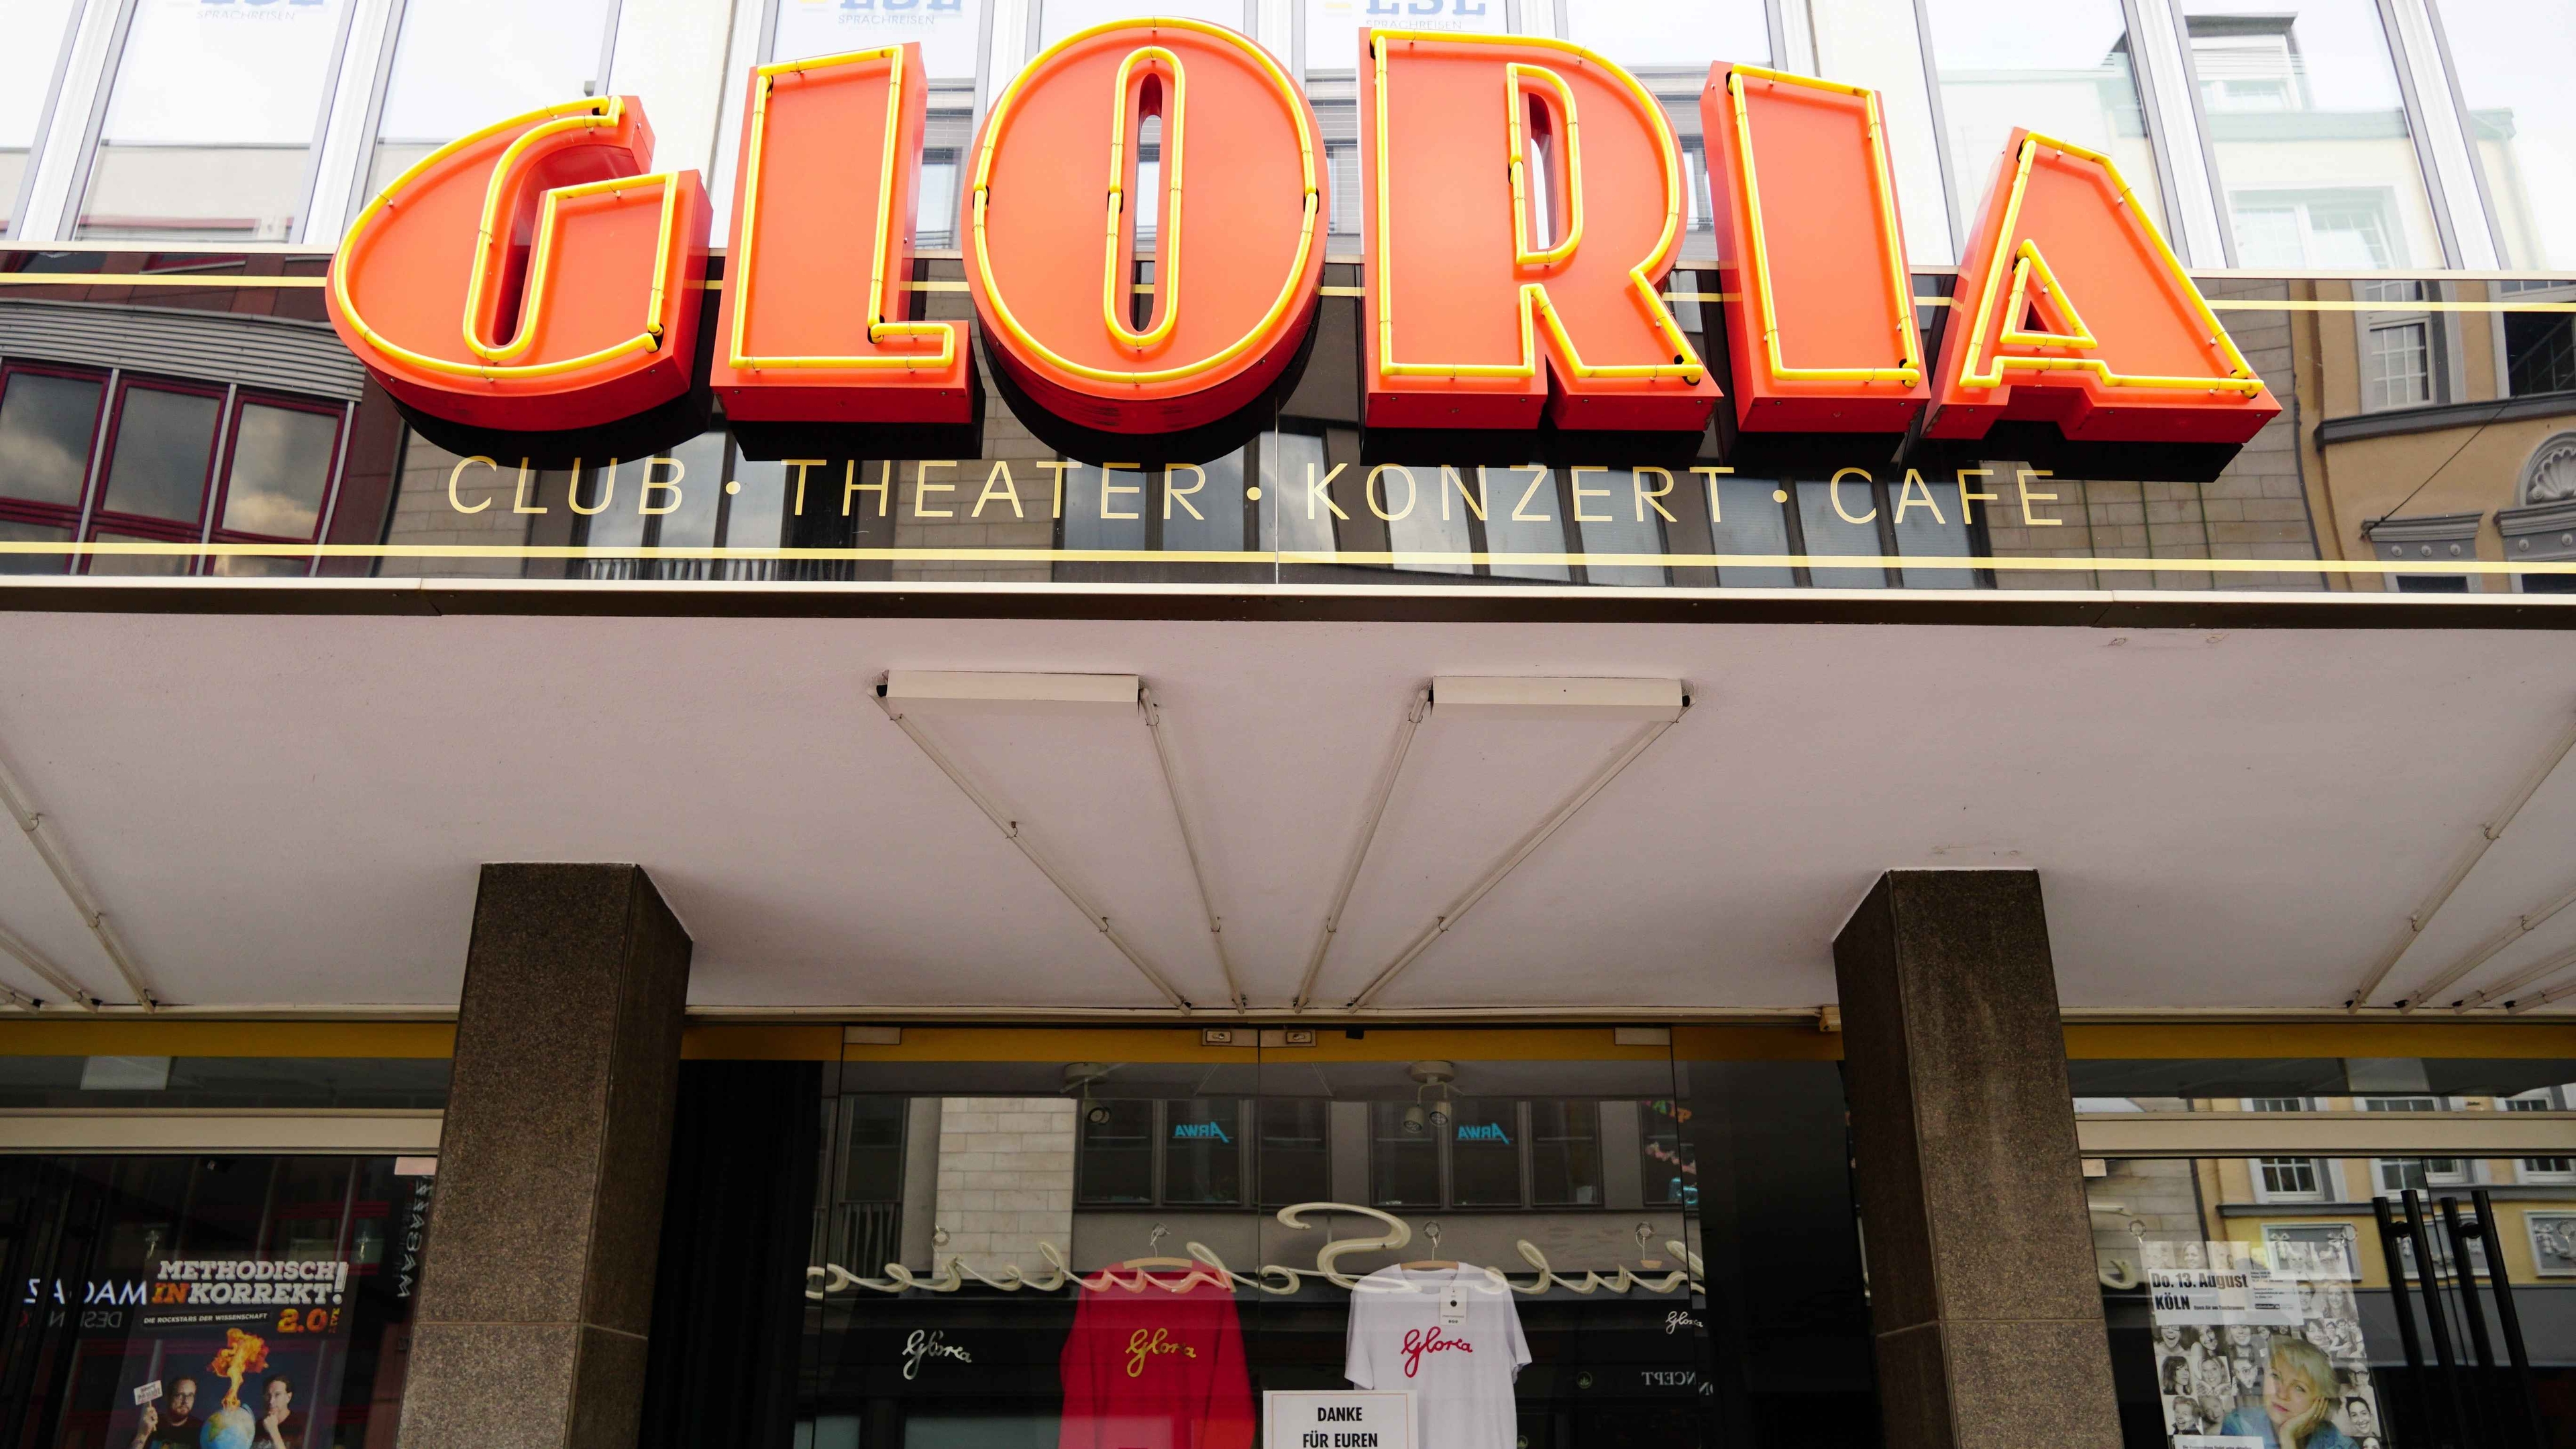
[
  {"x": 1186, "y": 1153},
  {"x": 950, "y": 32},
  {"x": 2305, "y": 119},
  {"x": 2059, "y": 67},
  {"x": 1876, "y": 43},
  {"x": 1685, "y": 37},
  {"x": 2276, "y": 1104},
  {"x": 2398, "y": 1174},
  {"x": 1488, "y": 1153},
  {"x": 2512, "y": 78},
  {"x": 1332, "y": 36},
  {"x": 461, "y": 65},
  {"x": 2289, "y": 1178},
  {"x": 2401, "y": 1104},
  {"x": 29, "y": 66},
  {"x": 1060, "y": 18},
  {"x": 150, "y": 461},
  {"x": 1665, "y": 1166},
  {"x": 214, "y": 118}
]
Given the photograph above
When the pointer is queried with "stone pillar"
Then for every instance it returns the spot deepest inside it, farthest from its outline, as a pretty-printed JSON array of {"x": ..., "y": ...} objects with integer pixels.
[
  {"x": 537, "y": 1289},
  {"x": 1982, "y": 1289}
]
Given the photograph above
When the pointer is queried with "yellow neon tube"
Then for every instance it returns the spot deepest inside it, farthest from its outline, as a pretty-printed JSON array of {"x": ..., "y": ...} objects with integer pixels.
[
  {"x": 882, "y": 245},
  {"x": 559, "y": 119},
  {"x": 1900, "y": 288},
  {"x": 1534, "y": 302},
  {"x": 2241, "y": 377},
  {"x": 1167, "y": 259},
  {"x": 1005, "y": 111}
]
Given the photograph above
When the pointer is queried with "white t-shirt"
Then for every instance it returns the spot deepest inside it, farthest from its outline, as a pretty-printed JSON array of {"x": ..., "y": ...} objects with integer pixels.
[{"x": 1453, "y": 1338}]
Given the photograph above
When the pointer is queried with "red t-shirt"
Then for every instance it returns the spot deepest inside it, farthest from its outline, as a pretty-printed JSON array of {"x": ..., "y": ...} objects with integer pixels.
[{"x": 1154, "y": 1369}]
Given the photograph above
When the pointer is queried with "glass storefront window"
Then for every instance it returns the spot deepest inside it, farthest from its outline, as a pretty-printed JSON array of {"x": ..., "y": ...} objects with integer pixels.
[
  {"x": 2521, "y": 121},
  {"x": 27, "y": 68},
  {"x": 460, "y": 65},
  {"x": 2062, "y": 69},
  {"x": 1686, "y": 38},
  {"x": 1082, "y": 1255},
  {"x": 212, "y": 119},
  {"x": 1875, "y": 43},
  {"x": 2304, "y": 115},
  {"x": 156, "y": 1303}
]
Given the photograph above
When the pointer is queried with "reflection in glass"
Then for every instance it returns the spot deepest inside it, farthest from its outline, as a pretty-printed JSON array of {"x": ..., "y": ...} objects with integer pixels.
[
  {"x": 1932, "y": 523},
  {"x": 872, "y": 1149},
  {"x": 2058, "y": 67},
  {"x": 462, "y": 64},
  {"x": 281, "y": 467},
  {"x": 1624, "y": 530},
  {"x": 1432, "y": 511},
  {"x": 1404, "y": 1165},
  {"x": 1117, "y": 1153},
  {"x": 12, "y": 531},
  {"x": 1521, "y": 517},
  {"x": 164, "y": 441},
  {"x": 211, "y": 121},
  {"x": 2303, "y": 112},
  {"x": 1747, "y": 519},
  {"x": 1565, "y": 1153},
  {"x": 1060, "y": 18},
  {"x": 1485, "y": 1153},
  {"x": 1873, "y": 43},
  {"x": 947, "y": 30},
  {"x": 1205, "y": 511},
  {"x": 1684, "y": 37},
  {"x": 1667, "y": 1172},
  {"x": 1295, "y": 1151},
  {"x": 46, "y": 424},
  {"x": 1288, "y": 462},
  {"x": 26, "y": 85},
  {"x": 1203, "y": 1153},
  {"x": 153, "y": 565},
  {"x": 1831, "y": 531},
  {"x": 1105, "y": 508},
  {"x": 1333, "y": 26},
  {"x": 2513, "y": 77}
]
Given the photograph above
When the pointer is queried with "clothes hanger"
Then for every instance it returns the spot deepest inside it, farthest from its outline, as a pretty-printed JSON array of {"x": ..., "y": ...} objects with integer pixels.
[{"x": 1430, "y": 1265}]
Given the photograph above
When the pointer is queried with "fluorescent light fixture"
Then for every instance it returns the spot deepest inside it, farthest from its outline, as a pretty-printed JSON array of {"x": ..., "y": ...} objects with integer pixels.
[
  {"x": 1485, "y": 696},
  {"x": 955, "y": 690}
]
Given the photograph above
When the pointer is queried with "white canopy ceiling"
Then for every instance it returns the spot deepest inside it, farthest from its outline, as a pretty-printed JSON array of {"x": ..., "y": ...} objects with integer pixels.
[{"x": 290, "y": 808}]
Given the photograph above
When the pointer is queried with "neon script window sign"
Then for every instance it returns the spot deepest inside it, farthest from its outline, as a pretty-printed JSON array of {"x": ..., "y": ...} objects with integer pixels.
[{"x": 538, "y": 275}]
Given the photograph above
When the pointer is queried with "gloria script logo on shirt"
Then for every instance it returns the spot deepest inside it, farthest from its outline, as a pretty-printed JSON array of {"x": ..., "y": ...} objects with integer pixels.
[
  {"x": 1419, "y": 1341},
  {"x": 1142, "y": 1345}
]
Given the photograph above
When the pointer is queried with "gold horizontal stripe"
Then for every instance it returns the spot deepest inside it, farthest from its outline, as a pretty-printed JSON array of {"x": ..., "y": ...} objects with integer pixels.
[
  {"x": 80, "y": 1038},
  {"x": 2416, "y": 1038},
  {"x": 760, "y": 1043},
  {"x": 111, "y": 279},
  {"x": 2081, "y": 563},
  {"x": 2233, "y": 304}
]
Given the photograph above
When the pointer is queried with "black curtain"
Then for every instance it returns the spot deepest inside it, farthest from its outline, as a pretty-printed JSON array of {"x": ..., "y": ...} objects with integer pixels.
[{"x": 737, "y": 1222}]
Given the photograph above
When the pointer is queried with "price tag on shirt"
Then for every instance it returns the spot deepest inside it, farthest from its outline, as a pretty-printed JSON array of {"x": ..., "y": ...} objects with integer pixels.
[{"x": 1453, "y": 1306}]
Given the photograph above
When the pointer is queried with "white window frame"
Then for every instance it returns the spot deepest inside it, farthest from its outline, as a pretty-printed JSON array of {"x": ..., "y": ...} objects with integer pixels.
[{"x": 2318, "y": 1168}]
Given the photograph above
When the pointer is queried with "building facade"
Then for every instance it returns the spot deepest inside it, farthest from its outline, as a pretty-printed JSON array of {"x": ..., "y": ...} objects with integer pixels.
[{"x": 1467, "y": 905}]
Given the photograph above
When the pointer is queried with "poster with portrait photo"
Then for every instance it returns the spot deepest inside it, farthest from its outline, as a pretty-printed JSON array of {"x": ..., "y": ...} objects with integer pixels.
[
  {"x": 226, "y": 1354},
  {"x": 2252, "y": 1353},
  {"x": 2553, "y": 1244}
]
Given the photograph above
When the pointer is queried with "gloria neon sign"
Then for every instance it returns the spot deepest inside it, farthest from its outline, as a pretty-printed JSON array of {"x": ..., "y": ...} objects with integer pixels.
[{"x": 538, "y": 276}]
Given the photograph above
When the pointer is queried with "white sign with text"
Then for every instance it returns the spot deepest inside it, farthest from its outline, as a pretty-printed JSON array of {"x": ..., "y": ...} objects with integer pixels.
[{"x": 1337, "y": 1419}]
